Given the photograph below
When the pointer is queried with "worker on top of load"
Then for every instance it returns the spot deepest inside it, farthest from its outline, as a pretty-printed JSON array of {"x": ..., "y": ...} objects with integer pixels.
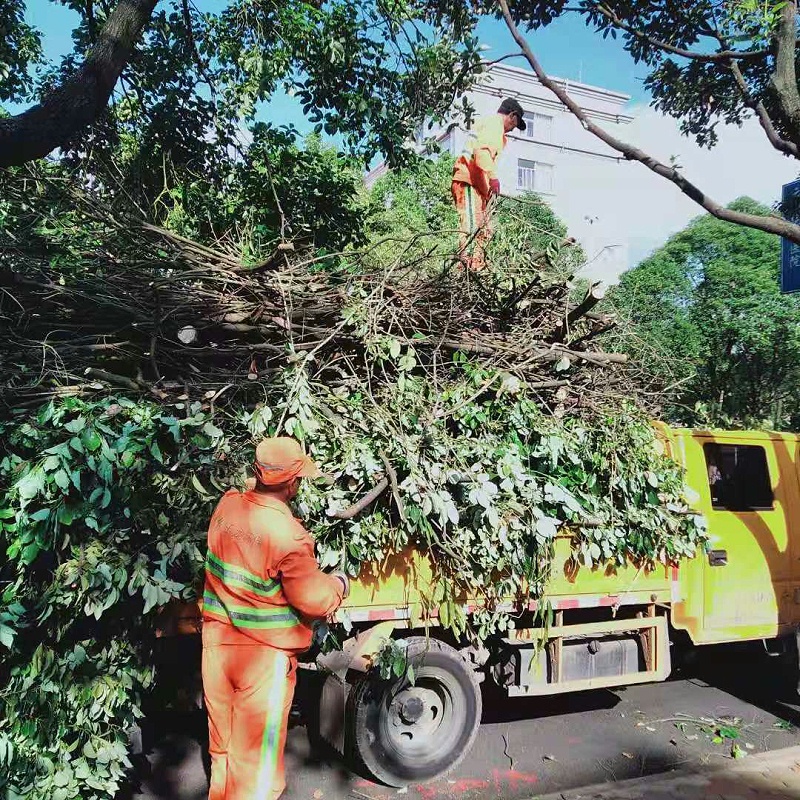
[
  {"x": 263, "y": 592},
  {"x": 475, "y": 180}
]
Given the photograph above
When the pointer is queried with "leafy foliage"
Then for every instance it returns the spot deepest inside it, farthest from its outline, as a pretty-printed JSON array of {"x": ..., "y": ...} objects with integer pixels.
[
  {"x": 708, "y": 310},
  {"x": 20, "y": 48},
  {"x": 103, "y": 519},
  {"x": 366, "y": 73},
  {"x": 699, "y": 92},
  {"x": 90, "y": 555},
  {"x": 414, "y": 205}
]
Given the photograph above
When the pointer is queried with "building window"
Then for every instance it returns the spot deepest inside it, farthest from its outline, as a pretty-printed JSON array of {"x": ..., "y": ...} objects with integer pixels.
[
  {"x": 738, "y": 477},
  {"x": 539, "y": 126},
  {"x": 534, "y": 176}
]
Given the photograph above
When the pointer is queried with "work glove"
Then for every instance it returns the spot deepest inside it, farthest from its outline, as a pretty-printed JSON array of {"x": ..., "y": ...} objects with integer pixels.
[
  {"x": 345, "y": 581},
  {"x": 494, "y": 186}
]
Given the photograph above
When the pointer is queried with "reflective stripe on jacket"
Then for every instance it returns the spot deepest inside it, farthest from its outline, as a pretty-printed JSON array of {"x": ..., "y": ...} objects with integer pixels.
[{"x": 263, "y": 584}]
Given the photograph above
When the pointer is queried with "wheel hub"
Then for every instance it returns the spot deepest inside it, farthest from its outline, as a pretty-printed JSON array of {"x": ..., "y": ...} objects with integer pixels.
[{"x": 412, "y": 709}]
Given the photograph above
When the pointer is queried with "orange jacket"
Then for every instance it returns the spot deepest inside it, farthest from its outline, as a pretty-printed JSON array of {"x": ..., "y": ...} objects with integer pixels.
[
  {"x": 263, "y": 584},
  {"x": 477, "y": 165}
]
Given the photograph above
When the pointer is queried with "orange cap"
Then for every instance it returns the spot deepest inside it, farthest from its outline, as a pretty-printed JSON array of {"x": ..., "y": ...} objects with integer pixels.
[{"x": 281, "y": 459}]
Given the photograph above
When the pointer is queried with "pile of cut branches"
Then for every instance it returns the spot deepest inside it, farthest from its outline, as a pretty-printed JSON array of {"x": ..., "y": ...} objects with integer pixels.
[{"x": 136, "y": 307}]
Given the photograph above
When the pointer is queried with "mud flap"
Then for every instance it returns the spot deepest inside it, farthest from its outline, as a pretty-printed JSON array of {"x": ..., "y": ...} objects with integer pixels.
[
  {"x": 332, "y": 705},
  {"x": 354, "y": 655},
  {"x": 797, "y": 656}
]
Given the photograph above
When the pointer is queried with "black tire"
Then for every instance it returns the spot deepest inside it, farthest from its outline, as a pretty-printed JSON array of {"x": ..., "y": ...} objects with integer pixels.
[{"x": 402, "y": 734}]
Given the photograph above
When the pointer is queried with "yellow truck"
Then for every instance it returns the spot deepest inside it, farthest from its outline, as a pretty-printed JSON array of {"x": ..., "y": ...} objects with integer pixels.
[{"x": 608, "y": 628}]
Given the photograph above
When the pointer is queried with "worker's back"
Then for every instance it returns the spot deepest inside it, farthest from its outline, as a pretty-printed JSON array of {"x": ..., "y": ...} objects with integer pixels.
[{"x": 248, "y": 538}]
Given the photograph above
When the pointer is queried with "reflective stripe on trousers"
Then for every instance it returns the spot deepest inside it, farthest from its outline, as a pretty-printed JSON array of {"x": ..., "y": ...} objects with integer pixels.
[{"x": 248, "y": 691}]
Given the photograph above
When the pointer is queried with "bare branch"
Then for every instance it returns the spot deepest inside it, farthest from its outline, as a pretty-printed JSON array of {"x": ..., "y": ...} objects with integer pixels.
[
  {"x": 370, "y": 497},
  {"x": 764, "y": 119},
  {"x": 770, "y": 224}
]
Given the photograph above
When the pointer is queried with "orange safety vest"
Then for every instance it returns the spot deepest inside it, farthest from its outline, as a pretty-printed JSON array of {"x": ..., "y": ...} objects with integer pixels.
[{"x": 262, "y": 583}]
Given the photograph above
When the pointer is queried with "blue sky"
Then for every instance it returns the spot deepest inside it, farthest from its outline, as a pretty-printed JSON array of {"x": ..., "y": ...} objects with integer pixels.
[{"x": 567, "y": 49}]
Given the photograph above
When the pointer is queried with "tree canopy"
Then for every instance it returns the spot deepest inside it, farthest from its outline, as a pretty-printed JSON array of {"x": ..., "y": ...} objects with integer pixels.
[
  {"x": 371, "y": 72},
  {"x": 183, "y": 84},
  {"x": 707, "y": 315}
]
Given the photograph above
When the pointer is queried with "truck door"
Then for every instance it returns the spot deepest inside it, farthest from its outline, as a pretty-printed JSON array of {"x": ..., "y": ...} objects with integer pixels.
[{"x": 748, "y": 570}]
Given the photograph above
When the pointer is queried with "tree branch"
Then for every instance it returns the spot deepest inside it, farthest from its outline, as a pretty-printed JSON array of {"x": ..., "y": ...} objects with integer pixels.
[
  {"x": 720, "y": 56},
  {"x": 595, "y": 293},
  {"x": 770, "y": 224},
  {"x": 370, "y": 497},
  {"x": 80, "y": 100},
  {"x": 784, "y": 78},
  {"x": 759, "y": 109}
]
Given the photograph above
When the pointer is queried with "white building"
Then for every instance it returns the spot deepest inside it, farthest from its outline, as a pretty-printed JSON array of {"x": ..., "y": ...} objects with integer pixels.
[{"x": 556, "y": 157}]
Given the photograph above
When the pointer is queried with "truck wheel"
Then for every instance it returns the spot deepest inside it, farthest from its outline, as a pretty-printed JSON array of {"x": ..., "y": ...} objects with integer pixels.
[{"x": 407, "y": 734}]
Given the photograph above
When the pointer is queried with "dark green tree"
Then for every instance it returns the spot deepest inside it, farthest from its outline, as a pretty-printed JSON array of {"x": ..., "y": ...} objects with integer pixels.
[{"x": 707, "y": 318}]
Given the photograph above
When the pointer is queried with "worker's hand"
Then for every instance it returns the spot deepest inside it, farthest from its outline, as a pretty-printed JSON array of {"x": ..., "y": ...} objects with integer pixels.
[
  {"x": 494, "y": 186},
  {"x": 345, "y": 582}
]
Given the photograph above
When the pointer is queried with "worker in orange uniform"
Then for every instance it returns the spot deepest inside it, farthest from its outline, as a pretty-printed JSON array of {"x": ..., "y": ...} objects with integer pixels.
[
  {"x": 475, "y": 179},
  {"x": 263, "y": 592}
]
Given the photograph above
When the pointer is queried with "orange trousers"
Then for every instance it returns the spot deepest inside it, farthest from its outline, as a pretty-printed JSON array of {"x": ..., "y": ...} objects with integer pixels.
[
  {"x": 474, "y": 223},
  {"x": 248, "y": 691}
]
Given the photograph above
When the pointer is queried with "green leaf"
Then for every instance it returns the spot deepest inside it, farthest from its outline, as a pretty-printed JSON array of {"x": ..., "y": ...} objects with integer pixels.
[
  {"x": 76, "y": 425},
  {"x": 51, "y": 463},
  {"x": 91, "y": 439},
  {"x": 199, "y": 486},
  {"x": 6, "y": 636},
  {"x": 62, "y": 480},
  {"x": 31, "y": 484},
  {"x": 155, "y": 450},
  {"x": 76, "y": 444},
  {"x": 66, "y": 515},
  {"x": 212, "y": 430},
  {"x": 62, "y": 777},
  {"x": 30, "y": 552},
  {"x": 7, "y": 513}
]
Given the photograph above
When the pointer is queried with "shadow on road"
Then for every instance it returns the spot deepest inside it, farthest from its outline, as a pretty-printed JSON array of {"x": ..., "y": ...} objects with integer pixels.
[
  {"x": 499, "y": 708},
  {"x": 174, "y": 765},
  {"x": 747, "y": 672}
]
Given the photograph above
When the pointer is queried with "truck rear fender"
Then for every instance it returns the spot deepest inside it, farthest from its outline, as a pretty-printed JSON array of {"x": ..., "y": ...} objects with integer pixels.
[{"x": 357, "y": 652}]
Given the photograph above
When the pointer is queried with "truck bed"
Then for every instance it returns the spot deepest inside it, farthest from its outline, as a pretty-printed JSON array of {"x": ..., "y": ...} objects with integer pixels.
[{"x": 395, "y": 588}]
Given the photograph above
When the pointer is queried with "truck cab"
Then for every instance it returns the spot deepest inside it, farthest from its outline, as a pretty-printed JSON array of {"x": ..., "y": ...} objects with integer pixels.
[{"x": 747, "y": 585}]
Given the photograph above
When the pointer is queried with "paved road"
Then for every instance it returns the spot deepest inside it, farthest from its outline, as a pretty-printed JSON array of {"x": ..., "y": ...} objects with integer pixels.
[{"x": 536, "y": 746}]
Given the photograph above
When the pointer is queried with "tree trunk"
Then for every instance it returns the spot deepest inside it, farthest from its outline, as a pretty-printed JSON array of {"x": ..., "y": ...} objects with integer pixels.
[{"x": 81, "y": 98}]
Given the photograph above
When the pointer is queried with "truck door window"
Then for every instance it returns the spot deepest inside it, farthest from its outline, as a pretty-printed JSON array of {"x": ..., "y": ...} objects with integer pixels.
[{"x": 738, "y": 477}]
